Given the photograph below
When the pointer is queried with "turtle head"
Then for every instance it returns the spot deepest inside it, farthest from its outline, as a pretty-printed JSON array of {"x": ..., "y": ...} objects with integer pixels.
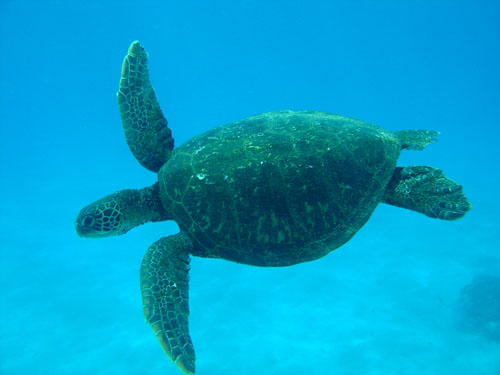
[
  {"x": 102, "y": 218},
  {"x": 119, "y": 212}
]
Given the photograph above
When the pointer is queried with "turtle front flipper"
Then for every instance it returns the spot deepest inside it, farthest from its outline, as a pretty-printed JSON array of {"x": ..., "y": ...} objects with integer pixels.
[
  {"x": 165, "y": 290},
  {"x": 146, "y": 130},
  {"x": 428, "y": 191}
]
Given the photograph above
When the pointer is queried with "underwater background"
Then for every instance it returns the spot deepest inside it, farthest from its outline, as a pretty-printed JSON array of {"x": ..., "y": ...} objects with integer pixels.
[{"x": 390, "y": 301}]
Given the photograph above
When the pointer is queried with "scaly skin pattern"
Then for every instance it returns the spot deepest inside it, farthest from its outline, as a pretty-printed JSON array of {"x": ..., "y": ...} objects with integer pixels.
[
  {"x": 165, "y": 295},
  {"x": 278, "y": 188},
  {"x": 146, "y": 130},
  {"x": 119, "y": 212},
  {"x": 428, "y": 191}
]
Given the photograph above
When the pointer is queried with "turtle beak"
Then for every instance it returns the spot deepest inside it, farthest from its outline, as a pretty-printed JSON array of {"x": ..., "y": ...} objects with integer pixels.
[
  {"x": 82, "y": 230},
  {"x": 85, "y": 225}
]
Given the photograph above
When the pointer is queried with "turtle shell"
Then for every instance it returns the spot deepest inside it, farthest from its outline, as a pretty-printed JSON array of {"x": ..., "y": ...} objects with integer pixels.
[{"x": 278, "y": 188}]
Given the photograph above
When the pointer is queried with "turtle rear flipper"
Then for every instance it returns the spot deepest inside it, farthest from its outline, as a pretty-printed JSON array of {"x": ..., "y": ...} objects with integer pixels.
[
  {"x": 428, "y": 191},
  {"x": 165, "y": 297},
  {"x": 146, "y": 130},
  {"x": 415, "y": 139}
]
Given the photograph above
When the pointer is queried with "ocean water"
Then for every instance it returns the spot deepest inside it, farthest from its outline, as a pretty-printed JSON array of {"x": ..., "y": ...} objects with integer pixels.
[{"x": 385, "y": 303}]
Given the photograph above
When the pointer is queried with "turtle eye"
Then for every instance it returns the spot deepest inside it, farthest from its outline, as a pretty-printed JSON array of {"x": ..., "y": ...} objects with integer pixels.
[{"x": 88, "y": 220}]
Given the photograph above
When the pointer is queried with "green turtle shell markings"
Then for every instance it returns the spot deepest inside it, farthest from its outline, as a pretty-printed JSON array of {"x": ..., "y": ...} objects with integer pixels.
[{"x": 275, "y": 189}]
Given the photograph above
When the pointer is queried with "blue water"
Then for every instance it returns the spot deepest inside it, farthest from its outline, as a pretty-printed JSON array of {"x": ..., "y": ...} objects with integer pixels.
[{"x": 385, "y": 303}]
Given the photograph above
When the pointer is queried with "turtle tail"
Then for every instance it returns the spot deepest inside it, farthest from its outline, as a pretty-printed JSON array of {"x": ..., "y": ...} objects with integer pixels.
[{"x": 428, "y": 191}]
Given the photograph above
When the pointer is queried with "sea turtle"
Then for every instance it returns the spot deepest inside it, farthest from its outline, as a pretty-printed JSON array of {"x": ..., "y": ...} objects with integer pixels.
[{"x": 275, "y": 189}]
